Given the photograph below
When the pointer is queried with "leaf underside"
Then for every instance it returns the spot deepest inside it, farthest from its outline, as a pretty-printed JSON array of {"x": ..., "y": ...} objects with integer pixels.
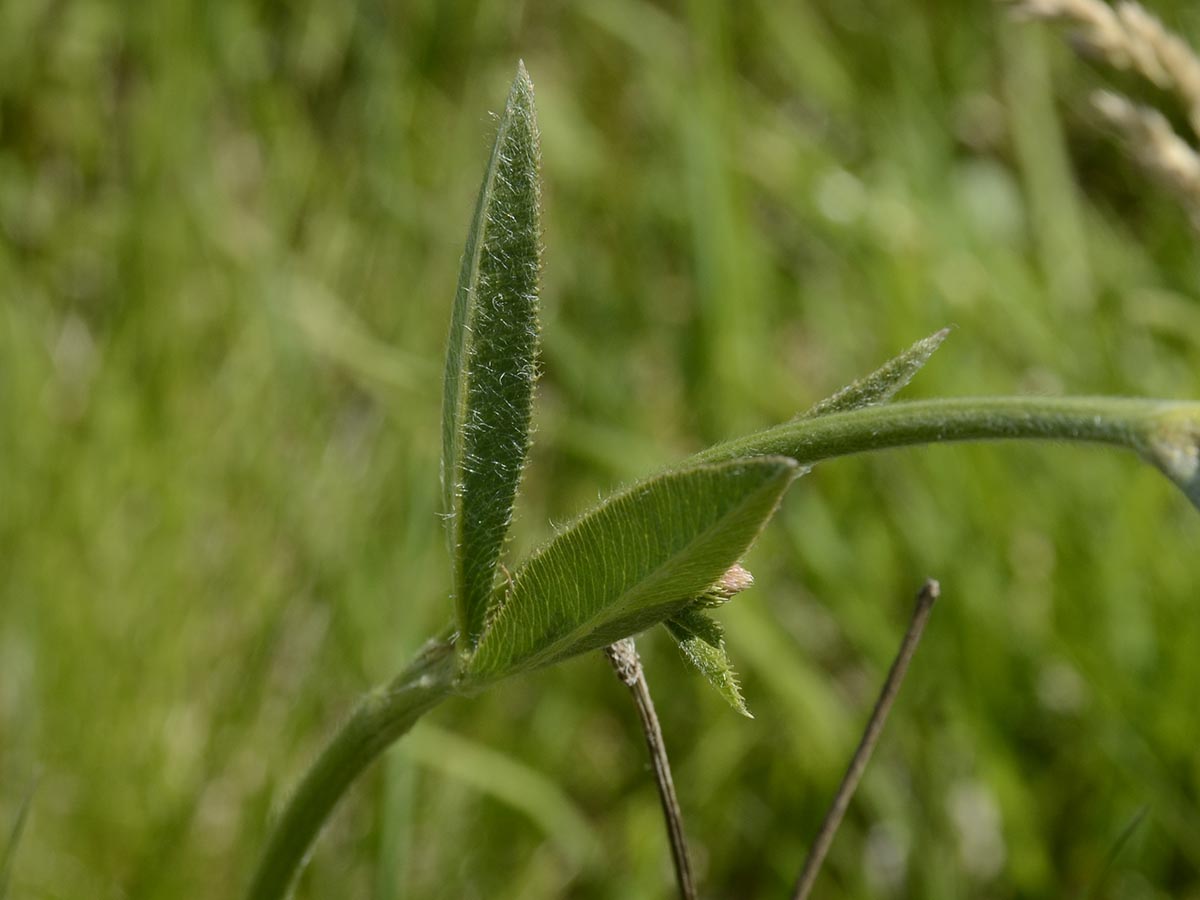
[
  {"x": 636, "y": 560},
  {"x": 702, "y": 642},
  {"x": 491, "y": 359},
  {"x": 882, "y": 384}
]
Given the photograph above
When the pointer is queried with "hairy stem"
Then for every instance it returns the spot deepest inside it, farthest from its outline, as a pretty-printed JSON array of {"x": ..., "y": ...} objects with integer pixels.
[
  {"x": 1165, "y": 434},
  {"x": 628, "y": 665},
  {"x": 1106, "y": 420},
  {"x": 862, "y": 755},
  {"x": 382, "y": 717}
]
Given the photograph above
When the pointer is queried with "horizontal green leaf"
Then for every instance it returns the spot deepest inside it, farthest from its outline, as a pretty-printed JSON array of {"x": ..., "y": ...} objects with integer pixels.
[
  {"x": 632, "y": 562},
  {"x": 491, "y": 359},
  {"x": 882, "y": 384},
  {"x": 702, "y": 642}
]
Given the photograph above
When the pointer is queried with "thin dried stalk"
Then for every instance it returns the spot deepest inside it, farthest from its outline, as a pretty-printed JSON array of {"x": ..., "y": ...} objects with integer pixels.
[
  {"x": 627, "y": 664},
  {"x": 862, "y": 755}
]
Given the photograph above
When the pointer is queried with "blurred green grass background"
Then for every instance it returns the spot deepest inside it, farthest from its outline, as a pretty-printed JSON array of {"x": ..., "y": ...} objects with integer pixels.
[{"x": 229, "y": 235}]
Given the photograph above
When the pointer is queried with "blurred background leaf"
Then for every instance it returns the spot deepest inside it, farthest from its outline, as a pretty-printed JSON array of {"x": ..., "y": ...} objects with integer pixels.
[
  {"x": 218, "y": 517},
  {"x": 9, "y": 854}
]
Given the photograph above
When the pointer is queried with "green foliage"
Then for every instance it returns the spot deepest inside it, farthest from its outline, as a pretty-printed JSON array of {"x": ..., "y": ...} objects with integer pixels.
[
  {"x": 700, "y": 638},
  {"x": 635, "y": 560},
  {"x": 882, "y": 384},
  {"x": 491, "y": 359},
  {"x": 602, "y": 578},
  {"x": 702, "y": 642},
  {"x": 764, "y": 200},
  {"x": 1162, "y": 432}
]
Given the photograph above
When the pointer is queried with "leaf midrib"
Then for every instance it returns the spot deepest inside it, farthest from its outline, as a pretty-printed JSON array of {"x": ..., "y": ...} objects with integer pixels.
[{"x": 546, "y": 656}]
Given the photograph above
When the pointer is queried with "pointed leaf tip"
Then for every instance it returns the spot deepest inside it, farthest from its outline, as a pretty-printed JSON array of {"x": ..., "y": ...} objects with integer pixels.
[
  {"x": 884, "y": 383},
  {"x": 637, "y": 559},
  {"x": 702, "y": 642},
  {"x": 492, "y": 359},
  {"x": 522, "y": 86}
]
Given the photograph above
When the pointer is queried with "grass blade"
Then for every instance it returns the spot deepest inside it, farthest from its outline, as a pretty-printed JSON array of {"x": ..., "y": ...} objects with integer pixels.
[
  {"x": 14, "y": 839},
  {"x": 491, "y": 359},
  {"x": 513, "y": 783},
  {"x": 1118, "y": 847}
]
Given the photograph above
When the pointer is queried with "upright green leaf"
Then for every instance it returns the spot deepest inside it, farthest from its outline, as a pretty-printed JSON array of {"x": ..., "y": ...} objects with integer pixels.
[
  {"x": 882, "y": 384},
  {"x": 632, "y": 562},
  {"x": 702, "y": 642},
  {"x": 491, "y": 360}
]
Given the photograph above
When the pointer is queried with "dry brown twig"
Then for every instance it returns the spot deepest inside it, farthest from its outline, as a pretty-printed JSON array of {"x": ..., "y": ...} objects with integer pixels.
[
  {"x": 1129, "y": 38},
  {"x": 929, "y": 592},
  {"x": 627, "y": 664}
]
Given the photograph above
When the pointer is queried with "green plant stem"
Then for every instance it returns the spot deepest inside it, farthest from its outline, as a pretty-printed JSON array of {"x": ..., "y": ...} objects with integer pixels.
[
  {"x": 1097, "y": 419},
  {"x": 1165, "y": 434},
  {"x": 382, "y": 717}
]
